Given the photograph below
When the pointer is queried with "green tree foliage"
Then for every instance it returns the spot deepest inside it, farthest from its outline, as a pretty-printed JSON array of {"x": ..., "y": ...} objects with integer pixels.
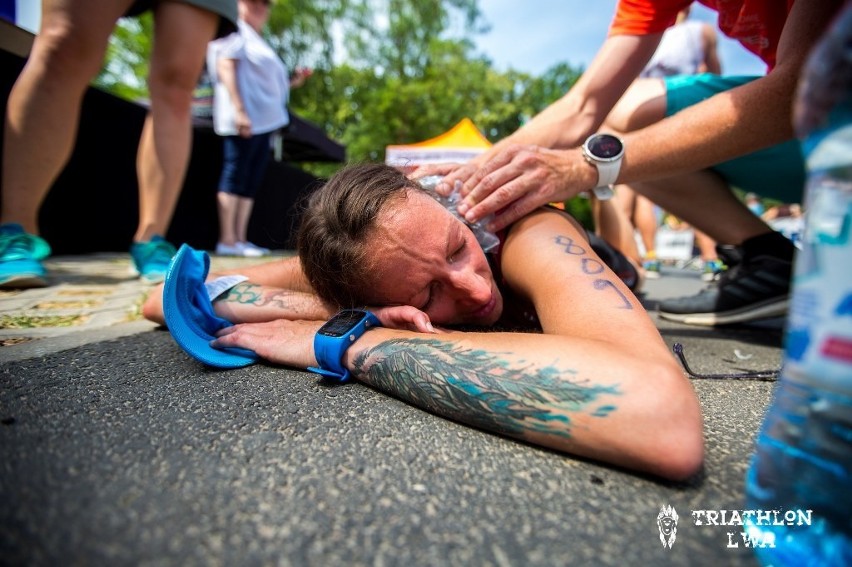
[{"x": 126, "y": 64}]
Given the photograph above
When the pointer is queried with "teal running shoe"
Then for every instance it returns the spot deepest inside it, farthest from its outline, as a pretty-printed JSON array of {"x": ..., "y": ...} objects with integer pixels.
[
  {"x": 712, "y": 270},
  {"x": 652, "y": 268},
  {"x": 152, "y": 258},
  {"x": 21, "y": 254}
]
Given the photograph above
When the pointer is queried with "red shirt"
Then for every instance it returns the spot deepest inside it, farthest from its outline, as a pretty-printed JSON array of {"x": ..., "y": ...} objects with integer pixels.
[{"x": 756, "y": 24}]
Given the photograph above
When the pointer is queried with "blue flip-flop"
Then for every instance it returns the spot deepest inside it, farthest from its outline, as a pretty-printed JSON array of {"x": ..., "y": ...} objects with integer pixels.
[{"x": 189, "y": 312}]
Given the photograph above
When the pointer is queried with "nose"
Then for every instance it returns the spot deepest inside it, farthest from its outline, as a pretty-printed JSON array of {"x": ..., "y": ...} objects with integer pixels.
[{"x": 470, "y": 287}]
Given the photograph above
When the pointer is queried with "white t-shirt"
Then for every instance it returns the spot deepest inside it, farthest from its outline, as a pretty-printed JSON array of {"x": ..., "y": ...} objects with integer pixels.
[
  {"x": 680, "y": 52},
  {"x": 262, "y": 79}
]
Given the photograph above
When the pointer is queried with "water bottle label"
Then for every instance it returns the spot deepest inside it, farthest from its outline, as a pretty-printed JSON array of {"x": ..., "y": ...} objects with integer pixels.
[{"x": 819, "y": 333}]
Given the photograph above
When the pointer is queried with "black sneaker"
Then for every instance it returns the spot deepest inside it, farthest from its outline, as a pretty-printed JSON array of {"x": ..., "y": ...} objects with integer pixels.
[
  {"x": 758, "y": 288},
  {"x": 729, "y": 254}
]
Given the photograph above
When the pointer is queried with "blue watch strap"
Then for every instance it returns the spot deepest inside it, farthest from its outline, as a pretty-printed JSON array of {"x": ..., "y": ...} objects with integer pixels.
[{"x": 335, "y": 337}]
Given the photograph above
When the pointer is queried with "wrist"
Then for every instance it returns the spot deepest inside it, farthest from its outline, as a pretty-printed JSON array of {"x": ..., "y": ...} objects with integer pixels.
[
  {"x": 586, "y": 171},
  {"x": 309, "y": 357},
  {"x": 365, "y": 343},
  {"x": 336, "y": 337},
  {"x": 605, "y": 152}
]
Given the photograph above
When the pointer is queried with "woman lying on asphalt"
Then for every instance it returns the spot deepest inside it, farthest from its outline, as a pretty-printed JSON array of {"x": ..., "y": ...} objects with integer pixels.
[{"x": 593, "y": 379}]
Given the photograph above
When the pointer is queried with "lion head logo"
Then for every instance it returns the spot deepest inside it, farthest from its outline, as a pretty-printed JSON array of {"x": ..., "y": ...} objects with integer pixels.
[{"x": 667, "y": 522}]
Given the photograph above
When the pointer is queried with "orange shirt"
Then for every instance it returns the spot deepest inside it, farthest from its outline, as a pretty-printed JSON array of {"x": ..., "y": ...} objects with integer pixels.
[{"x": 756, "y": 24}]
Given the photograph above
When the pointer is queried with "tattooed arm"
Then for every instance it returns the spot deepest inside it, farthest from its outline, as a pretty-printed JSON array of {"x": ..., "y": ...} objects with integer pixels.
[
  {"x": 252, "y": 302},
  {"x": 275, "y": 290},
  {"x": 599, "y": 382}
]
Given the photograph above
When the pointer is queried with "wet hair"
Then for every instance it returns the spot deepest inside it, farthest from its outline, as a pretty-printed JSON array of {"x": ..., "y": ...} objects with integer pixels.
[{"x": 336, "y": 225}]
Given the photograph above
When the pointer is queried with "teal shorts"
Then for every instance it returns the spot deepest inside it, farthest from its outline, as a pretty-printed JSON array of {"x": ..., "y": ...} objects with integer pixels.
[{"x": 777, "y": 172}]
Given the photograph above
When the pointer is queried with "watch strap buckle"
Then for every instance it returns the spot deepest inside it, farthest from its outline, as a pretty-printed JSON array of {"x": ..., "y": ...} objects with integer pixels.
[{"x": 337, "y": 376}]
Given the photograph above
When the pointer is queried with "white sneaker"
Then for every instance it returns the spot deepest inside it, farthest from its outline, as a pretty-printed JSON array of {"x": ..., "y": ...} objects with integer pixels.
[
  {"x": 250, "y": 249},
  {"x": 229, "y": 249}
]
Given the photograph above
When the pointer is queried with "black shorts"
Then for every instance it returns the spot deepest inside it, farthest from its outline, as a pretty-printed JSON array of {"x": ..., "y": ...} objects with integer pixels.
[{"x": 226, "y": 9}]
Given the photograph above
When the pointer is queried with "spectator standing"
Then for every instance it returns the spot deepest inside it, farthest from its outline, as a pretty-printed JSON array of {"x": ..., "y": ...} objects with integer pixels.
[
  {"x": 43, "y": 113},
  {"x": 251, "y": 92}
]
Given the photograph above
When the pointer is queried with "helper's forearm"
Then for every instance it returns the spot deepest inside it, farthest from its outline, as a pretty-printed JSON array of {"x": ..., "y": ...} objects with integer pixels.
[
  {"x": 568, "y": 121},
  {"x": 736, "y": 122},
  {"x": 711, "y": 132}
]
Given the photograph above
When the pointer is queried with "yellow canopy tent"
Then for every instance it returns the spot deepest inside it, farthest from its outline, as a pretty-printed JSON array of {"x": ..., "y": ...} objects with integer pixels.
[{"x": 460, "y": 143}]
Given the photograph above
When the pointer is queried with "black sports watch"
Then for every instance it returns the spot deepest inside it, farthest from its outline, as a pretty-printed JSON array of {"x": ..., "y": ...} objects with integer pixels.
[
  {"x": 605, "y": 152},
  {"x": 336, "y": 336}
]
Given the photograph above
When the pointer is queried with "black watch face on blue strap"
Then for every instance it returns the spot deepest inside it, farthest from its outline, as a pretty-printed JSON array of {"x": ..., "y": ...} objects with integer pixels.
[
  {"x": 341, "y": 324},
  {"x": 605, "y": 146}
]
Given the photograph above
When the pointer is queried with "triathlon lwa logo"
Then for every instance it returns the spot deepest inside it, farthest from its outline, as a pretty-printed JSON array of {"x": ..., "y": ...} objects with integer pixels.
[
  {"x": 757, "y": 528},
  {"x": 667, "y": 523}
]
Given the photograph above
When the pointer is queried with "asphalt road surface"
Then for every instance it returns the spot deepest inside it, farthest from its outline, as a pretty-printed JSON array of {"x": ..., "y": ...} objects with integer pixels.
[{"x": 124, "y": 451}]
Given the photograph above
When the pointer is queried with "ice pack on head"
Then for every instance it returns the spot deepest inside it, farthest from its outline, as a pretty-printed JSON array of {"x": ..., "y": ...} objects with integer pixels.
[{"x": 487, "y": 240}]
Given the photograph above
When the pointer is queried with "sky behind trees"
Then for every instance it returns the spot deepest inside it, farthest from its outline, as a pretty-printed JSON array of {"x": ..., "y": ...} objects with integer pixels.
[{"x": 534, "y": 35}]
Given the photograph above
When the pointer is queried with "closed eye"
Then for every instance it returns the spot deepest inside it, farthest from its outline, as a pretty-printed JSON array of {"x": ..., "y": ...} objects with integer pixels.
[
  {"x": 458, "y": 253},
  {"x": 429, "y": 298}
]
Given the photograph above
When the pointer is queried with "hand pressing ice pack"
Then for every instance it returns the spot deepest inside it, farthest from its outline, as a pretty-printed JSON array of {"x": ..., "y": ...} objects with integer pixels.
[{"x": 488, "y": 240}]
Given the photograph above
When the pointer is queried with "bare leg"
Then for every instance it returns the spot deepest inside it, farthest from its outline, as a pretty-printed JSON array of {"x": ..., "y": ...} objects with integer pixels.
[
  {"x": 704, "y": 199},
  {"x": 625, "y": 197},
  {"x": 706, "y": 246},
  {"x": 244, "y": 209},
  {"x": 646, "y": 223},
  {"x": 613, "y": 226},
  {"x": 643, "y": 104},
  {"x": 43, "y": 111},
  {"x": 181, "y": 35},
  {"x": 228, "y": 205},
  {"x": 640, "y": 213}
]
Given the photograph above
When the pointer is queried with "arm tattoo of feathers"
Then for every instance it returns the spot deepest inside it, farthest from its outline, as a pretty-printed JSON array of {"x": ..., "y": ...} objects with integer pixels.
[{"x": 479, "y": 388}]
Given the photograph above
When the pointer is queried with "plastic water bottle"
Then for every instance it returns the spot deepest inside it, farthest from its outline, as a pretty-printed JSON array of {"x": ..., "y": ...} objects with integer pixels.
[{"x": 800, "y": 480}]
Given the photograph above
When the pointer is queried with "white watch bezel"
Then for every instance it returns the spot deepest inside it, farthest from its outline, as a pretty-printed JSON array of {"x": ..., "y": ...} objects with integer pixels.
[{"x": 608, "y": 168}]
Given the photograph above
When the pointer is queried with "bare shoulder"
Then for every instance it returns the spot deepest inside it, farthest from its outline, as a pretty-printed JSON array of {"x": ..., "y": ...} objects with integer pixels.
[
  {"x": 547, "y": 258},
  {"x": 537, "y": 249},
  {"x": 542, "y": 224}
]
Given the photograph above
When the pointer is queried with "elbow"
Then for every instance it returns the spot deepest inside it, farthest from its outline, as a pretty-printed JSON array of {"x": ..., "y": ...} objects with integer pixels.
[
  {"x": 683, "y": 453},
  {"x": 678, "y": 452},
  {"x": 152, "y": 308}
]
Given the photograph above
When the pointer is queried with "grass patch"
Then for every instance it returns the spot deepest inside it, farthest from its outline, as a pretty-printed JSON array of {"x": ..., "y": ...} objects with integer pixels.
[
  {"x": 30, "y": 322},
  {"x": 79, "y": 304}
]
